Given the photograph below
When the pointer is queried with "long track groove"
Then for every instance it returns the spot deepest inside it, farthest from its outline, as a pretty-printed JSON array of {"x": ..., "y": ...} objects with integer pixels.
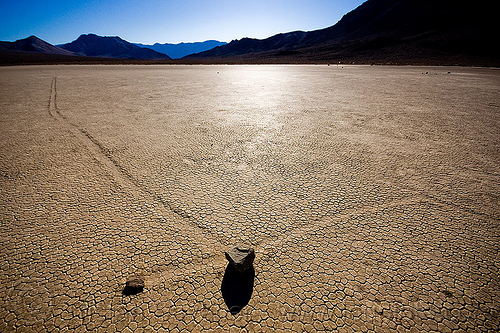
[{"x": 117, "y": 172}]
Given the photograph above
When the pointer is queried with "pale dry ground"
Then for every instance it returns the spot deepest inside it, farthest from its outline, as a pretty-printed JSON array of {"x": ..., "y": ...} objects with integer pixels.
[{"x": 369, "y": 193}]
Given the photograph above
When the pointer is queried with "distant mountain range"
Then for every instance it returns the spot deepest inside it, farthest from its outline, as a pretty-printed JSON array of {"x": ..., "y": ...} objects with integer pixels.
[
  {"x": 92, "y": 45},
  {"x": 33, "y": 44},
  {"x": 177, "y": 51},
  {"x": 381, "y": 31},
  {"x": 444, "y": 32},
  {"x": 86, "y": 49}
]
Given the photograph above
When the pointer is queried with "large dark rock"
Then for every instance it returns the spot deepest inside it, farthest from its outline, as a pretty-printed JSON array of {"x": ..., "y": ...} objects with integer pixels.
[{"x": 240, "y": 257}]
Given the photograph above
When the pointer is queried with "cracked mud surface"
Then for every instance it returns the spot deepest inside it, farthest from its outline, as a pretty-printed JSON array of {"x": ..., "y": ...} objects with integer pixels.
[{"x": 370, "y": 195}]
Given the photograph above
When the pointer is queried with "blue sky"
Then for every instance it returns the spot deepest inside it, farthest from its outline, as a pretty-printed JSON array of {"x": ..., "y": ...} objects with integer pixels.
[{"x": 150, "y": 21}]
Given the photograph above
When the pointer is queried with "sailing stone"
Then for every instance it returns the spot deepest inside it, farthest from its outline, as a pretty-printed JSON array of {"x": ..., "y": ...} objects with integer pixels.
[{"x": 240, "y": 257}]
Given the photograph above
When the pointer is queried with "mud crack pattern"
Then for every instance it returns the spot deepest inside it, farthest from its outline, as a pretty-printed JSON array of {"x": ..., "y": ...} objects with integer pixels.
[{"x": 372, "y": 207}]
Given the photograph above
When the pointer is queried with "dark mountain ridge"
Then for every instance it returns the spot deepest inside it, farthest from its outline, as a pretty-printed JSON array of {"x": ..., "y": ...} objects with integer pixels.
[
  {"x": 280, "y": 42},
  {"x": 384, "y": 31},
  {"x": 92, "y": 45},
  {"x": 444, "y": 32}
]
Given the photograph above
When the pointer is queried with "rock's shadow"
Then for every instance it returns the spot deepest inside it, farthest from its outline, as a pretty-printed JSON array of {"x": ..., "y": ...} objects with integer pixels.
[
  {"x": 237, "y": 288},
  {"x": 127, "y": 291}
]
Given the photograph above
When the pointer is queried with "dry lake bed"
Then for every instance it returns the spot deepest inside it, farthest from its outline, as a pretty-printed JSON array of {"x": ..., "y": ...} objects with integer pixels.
[{"x": 370, "y": 195}]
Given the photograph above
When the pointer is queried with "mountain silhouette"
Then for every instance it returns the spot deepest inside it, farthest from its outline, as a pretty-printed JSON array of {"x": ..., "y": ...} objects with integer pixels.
[
  {"x": 33, "y": 44},
  {"x": 387, "y": 31},
  {"x": 92, "y": 45},
  {"x": 176, "y": 51},
  {"x": 417, "y": 32}
]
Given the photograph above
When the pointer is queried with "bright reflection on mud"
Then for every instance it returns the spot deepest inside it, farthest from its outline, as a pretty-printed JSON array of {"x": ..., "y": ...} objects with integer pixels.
[{"x": 254, "y": 96}]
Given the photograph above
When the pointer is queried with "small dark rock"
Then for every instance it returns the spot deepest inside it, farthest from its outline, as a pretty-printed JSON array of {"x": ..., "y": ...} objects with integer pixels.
[
  {"x": 134, "y": 284},
  {"x": 135, "y": 281},
  {"x": 240, "y": 257}
]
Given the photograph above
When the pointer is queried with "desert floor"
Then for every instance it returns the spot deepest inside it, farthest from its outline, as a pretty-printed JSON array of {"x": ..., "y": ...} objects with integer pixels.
[{"x": 370, "y": 195}]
